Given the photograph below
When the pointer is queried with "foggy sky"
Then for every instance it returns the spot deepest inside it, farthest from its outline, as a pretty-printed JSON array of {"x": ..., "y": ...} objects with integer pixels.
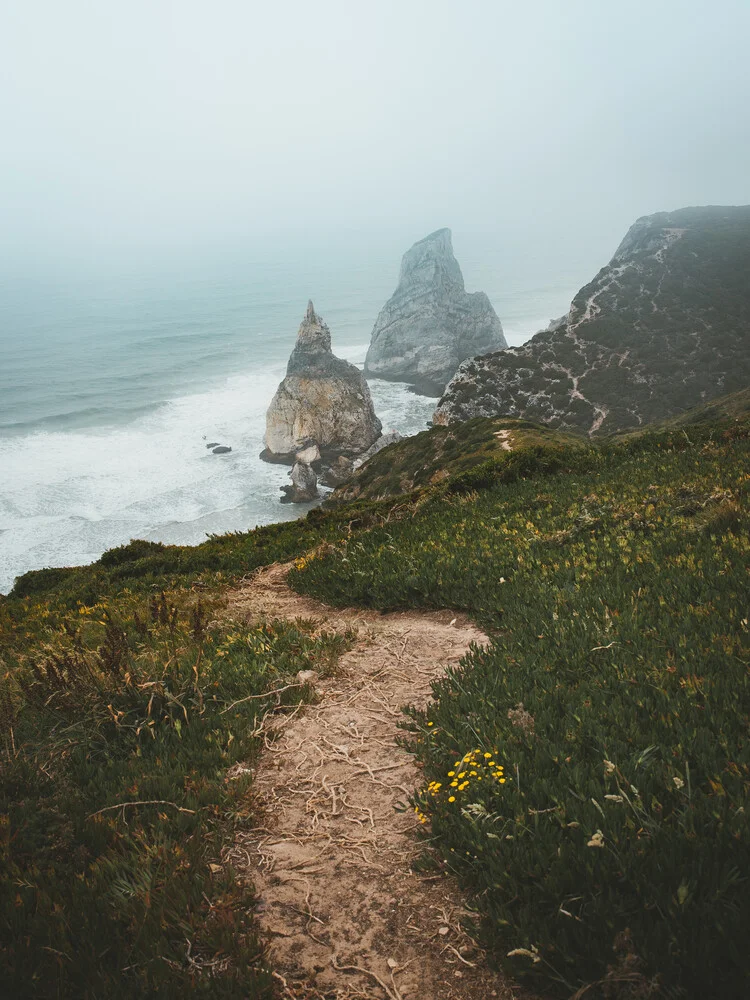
[{"x": 150, "y": 124}]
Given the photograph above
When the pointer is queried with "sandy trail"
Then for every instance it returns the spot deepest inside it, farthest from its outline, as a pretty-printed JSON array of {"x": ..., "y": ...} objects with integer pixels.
[
  {"x": 505, "y": 439},
  {"x": 346, "y": 914}
]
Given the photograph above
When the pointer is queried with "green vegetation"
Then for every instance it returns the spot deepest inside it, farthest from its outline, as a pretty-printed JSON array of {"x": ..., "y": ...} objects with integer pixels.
[
  {"x": 733, "y": 407},
  {"x": 440, "y": 452},
  {"x": 614, "y": 693},
  {"x": 607, "y": 838},
  {"x": 661, "y": 328},
  {"x": 119, "y": 727},
  {"x": 145, "y": 566}
]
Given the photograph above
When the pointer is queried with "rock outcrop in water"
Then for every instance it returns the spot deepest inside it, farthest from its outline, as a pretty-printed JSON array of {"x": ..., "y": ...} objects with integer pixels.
[
  {"x": 663, "y": 327},
  {"x": 323, "y": 402},
  {"x": 431, "y": 323},
  {"x": 304, "y": 485}
]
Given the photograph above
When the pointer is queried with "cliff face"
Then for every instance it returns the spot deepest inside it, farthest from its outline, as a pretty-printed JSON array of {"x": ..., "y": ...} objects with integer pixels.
[
  {"x": 431, "y": 324},
  {"x": 663, "y": 327},
  {"x": 323, "y": 399}
]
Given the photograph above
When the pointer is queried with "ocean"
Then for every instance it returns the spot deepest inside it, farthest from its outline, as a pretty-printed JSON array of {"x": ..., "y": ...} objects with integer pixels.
[{"x": 113, "y": 381}]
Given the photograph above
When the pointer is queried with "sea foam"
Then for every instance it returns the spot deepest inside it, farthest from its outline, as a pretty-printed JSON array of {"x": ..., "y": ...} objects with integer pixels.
[{"x": 67, "y": 496}]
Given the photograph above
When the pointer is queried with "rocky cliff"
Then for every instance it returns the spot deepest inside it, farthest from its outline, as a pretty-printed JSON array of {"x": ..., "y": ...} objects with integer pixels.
[
  {"x": 323, "y": 401},
  {"x": 431, "y": 323},
  {"x": 663, "y": 327}
]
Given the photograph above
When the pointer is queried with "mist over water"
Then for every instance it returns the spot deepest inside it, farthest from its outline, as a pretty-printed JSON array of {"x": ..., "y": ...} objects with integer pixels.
[
  {"x": 177, "y": 179},
  {"x": 113, "y": 383}
]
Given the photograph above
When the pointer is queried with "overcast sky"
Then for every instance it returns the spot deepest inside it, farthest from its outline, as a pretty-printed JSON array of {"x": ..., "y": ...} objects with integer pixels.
[{"x": 152, "y": 124}]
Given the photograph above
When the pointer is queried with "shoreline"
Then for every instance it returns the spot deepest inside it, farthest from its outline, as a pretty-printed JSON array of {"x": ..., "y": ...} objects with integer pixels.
[{"x": 74, "y": 494}]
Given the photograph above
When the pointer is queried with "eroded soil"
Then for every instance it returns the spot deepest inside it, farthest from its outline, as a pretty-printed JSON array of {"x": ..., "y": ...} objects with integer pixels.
[{"x": 345, "y": 912}]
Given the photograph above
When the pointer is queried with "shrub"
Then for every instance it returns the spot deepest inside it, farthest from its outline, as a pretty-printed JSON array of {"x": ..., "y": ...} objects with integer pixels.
[
  {"x": 41, "y": 581},
  {"x": 135, "y": 549}
]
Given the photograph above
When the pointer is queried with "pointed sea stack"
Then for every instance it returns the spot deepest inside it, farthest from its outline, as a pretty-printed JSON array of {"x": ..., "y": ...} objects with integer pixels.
[
  {"x": 431, "y": 323},
  {"x": 323, "y": 401}
]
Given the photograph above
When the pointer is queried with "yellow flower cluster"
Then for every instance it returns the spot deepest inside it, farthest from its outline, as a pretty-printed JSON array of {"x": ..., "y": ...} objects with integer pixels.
[
  {"x": 475, "y": 766},
  {"x": 301, "y": 561}
]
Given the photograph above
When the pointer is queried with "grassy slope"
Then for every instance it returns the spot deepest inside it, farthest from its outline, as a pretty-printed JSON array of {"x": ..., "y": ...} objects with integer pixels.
[
  {"x": 436, "y": 454},
  {"x": 615, "y": 693},
  {"x": 670, "y": 328},
  {"x": 131, "y": 701},
  {"x": 734, "y": 406},
  {"x": 431, "y": 457},
  {"x": 571, "y": 529}
]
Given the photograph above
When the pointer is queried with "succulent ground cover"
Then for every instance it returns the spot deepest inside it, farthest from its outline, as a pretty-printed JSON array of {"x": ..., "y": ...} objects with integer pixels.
[
  {"x": 613, "y": 700},
  {"x": 437, "y": 454},
  {"x": 127, "y": 727},
  {"x": 615, "y": 697}
]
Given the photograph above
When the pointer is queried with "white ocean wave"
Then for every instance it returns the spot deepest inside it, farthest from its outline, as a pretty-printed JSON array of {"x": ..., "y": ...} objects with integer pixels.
[{"x": 65, "y": 497}]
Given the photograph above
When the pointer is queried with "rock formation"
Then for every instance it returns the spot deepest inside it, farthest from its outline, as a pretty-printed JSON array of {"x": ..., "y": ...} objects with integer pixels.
[
  {"x": 382, "y": 442},
  {"x": 431, "y": 323},
  {"x": 304, "y": 484},
  {"x": 663, "y": 327},
  {"x": 323, "y": 402}
]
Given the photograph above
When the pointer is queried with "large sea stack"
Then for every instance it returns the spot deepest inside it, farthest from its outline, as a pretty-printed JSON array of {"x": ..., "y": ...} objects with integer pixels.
[
  {"x": 663, "y": 327},
  {"x": 431, "y": 323},
  {"x": 323, "y": 407}
]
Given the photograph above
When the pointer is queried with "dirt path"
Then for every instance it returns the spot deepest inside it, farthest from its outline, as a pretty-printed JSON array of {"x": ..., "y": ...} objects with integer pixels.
[
  {"x": 505, "y": 438},
  {"x": 346, "y": 914}
]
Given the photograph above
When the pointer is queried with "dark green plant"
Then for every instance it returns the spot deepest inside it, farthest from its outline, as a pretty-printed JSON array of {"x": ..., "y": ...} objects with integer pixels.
[
  {"x": 119, "y": 726},
  {"x": 615, "y": 693}
]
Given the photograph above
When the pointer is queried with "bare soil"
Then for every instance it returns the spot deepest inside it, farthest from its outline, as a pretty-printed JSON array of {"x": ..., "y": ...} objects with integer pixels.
[
  {"x": 346, "y": 913},
  {"x": 505, "y": 438}
]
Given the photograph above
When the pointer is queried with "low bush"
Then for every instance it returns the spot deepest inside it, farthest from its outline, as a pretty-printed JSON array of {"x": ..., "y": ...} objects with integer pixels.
[{"x": 138, "y": 548}]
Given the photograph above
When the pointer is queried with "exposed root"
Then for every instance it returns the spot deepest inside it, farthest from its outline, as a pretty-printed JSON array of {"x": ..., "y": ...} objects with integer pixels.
[{"x": 345, "y": 913}]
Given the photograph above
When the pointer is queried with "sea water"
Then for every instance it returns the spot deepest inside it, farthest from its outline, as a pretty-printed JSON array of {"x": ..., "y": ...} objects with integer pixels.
[{"x": 113, "y": 382}]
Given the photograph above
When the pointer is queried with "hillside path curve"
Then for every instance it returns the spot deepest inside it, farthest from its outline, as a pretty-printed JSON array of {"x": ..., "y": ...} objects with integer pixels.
[{"x": 345, "y": 912}]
